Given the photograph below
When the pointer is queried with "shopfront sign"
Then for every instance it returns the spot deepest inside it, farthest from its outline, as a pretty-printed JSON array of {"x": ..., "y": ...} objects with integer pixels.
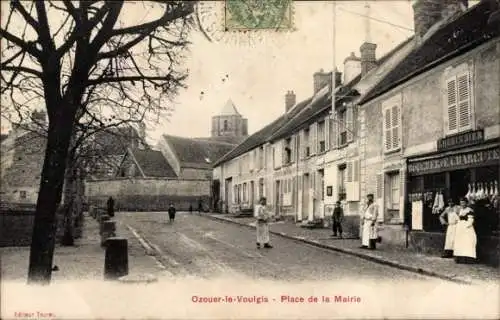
[
  {"x": 455, "y": 161},
  {"x": 461, "y": 140}
]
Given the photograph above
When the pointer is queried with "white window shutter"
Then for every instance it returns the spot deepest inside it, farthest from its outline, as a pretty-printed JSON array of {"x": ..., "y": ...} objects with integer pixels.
[
  {"x": 395, "y": 115},
  {"x": 349, "y": 122},
  {"x": 387, "y": 129},
  {"x": 451, "y": 106},
  {"x": 464, "y": 103}
]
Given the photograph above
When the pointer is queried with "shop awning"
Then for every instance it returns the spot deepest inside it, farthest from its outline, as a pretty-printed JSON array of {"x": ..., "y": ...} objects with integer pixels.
[{"x": 482, "y": 155}]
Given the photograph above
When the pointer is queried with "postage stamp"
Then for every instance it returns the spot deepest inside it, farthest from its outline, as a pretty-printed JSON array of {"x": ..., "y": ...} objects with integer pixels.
[{"x": 258, "y": 15}]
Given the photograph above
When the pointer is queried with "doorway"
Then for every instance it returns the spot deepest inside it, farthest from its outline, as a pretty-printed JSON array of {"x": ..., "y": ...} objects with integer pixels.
[
  {"x": 305, "y": 196},
  {"x": 227, "y": 195},
  {"x": 277, "y": 198}
]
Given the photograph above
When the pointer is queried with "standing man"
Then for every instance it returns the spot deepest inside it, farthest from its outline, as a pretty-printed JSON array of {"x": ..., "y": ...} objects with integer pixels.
[
  {"x": 171, "y": 213},
  {"x": 337, "y": 217},
  {"x": 110, "y": 207},
  {"x": 369, "y": 235},
  {"x": 262, "y": 224}
]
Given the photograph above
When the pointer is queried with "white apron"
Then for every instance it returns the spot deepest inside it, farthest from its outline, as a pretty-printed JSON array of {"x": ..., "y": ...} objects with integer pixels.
[
  {"x": 465, "y": 235},
  {"x": 453, "y": 219},
  {"x": 262, "y": 227},
  {"x": 369, "y": 232}
]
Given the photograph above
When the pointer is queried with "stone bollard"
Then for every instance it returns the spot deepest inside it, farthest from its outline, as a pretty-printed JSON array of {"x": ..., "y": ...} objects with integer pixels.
[
  {"x": 102, "y": 219},
  {"x": 116, "y": 260},
  {"x": 108, "y": 231}
]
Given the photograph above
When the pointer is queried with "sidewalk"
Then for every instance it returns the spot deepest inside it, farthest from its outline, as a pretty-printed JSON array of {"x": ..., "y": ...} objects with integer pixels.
[
  {"x": 396, "y": 257},
  {"x": 84, "y": 261}
]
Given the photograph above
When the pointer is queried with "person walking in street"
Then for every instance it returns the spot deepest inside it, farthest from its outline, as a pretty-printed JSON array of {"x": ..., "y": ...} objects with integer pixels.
[
  {"x": 200, "y": 206},
  {"x": 449, "y": 218},
  {"x": 191, "y": 209},
  {"x": 369, "y": 236},
  {"x": 262, "y": 224},
  {"x": 337, "y": 217},
  {"x": 171, "y": 213},
  {"x": 110, "y": 204},
  {"x": 464, "y": 248}
]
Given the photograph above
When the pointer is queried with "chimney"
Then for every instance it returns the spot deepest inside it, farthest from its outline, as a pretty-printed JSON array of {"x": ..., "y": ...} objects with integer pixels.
[
  {"x": 321, "y": 79},
  {"x": 338, "y": 78},
  {"x": 352, "y": 67},
  {"x": 290, "y": 100},
  {"x": 368, "y": 59},
  {"x": 427, "y": 13}
]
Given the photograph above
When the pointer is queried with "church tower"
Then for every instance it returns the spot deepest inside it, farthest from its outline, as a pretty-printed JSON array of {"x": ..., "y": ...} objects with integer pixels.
[{"x": 229, "y": 122}]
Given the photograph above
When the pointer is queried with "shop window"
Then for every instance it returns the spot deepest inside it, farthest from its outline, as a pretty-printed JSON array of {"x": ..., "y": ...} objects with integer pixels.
[
  {"x": 392, "y": 127},
  {"x": 458, "y": 104}
]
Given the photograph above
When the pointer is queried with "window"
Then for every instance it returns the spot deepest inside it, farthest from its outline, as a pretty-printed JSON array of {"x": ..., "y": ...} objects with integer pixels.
[
  {"x": 226, "y": 127},
  {"x": 22, "y": 194},
  {"x": 392, "y": 127},
  {"x": 288, "y": 150},
  {"x": 321, "y": 136},
  {"x": 458, "y": 104},
  {"x": 261, "y": 188},
  {"x": 235, "y": 195},
  {"x": 342, "y": 181},
  {"x": 245, "y": 192},
  {"x": 393, "y": 196},
  {"x": 307, "y": 149},
  {"x": 342, "y": 123}
]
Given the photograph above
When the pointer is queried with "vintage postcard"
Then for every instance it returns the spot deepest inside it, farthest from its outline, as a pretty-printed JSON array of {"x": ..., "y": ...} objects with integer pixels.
[{"x": 250, "y": 159}]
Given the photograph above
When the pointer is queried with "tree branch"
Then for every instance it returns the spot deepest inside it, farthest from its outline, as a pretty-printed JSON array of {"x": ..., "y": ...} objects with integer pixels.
[
  {"x": 23, "y": 69},
  {"x": 16, "y": 4},
  {"x": 27, "y": 46},
  {"x": 44, "y": 30}
]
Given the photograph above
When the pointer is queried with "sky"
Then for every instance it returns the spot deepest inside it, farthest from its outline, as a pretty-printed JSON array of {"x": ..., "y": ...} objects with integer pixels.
[{"x": 256, "y": 74}]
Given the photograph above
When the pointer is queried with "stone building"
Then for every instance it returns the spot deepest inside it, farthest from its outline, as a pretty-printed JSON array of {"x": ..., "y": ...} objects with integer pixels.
[{"x": 431, "y": 125}]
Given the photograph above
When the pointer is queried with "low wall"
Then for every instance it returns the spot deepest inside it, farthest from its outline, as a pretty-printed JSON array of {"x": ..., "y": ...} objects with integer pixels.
[
  {"x": 16, "y": 224},
  {"x": 148, "y": 194}
]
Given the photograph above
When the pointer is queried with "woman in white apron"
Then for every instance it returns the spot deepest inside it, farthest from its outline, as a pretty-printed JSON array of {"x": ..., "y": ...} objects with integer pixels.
[
  {"x": 262, "y": 224},
  {"x": 464, "y": 248},
  {"x": 449, "y": 218}
]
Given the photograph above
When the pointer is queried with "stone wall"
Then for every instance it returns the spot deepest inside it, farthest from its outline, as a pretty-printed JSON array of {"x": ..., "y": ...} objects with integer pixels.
[{"x": 148, "y": 194}]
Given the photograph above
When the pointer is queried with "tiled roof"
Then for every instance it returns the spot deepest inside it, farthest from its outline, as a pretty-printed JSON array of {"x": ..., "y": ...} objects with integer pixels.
[
  {"x": 115, "y": 140},
  {"x": 153, "y": 163},
  {"x": 198, "y": 152},
  {"x": 260, "y": 137},
  {"x": 460, "y": 35},
  {"x": 226, "y": 139}
]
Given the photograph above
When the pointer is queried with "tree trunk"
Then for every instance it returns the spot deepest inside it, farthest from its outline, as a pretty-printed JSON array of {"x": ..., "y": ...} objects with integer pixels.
[
  {"x": 49, "y": 196},
  {"x": 69, "y": 200}
]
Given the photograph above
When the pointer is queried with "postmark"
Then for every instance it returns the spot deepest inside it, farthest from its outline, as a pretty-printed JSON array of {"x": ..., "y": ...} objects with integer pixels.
[{"x": 258, "y": 15}]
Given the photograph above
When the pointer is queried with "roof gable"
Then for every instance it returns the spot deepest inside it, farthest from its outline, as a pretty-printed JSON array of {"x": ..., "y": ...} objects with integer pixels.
[
  {"x": 197, "y": 152},
  {"x": 458, "y": 36},
  {"x": 153, "y": 163}
]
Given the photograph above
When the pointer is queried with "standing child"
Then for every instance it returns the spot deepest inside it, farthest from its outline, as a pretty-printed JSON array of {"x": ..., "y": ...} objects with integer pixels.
[{"x": 171, "y": 213}]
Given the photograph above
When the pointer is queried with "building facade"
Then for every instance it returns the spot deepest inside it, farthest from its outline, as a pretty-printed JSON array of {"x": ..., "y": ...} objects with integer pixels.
[{"x": 432, "y": 127}]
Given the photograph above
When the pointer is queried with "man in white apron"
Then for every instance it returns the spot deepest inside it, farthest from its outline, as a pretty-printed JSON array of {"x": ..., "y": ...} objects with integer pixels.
[
  {"x": 369, "y": 234},
  {"x": 262, "y": 224}
]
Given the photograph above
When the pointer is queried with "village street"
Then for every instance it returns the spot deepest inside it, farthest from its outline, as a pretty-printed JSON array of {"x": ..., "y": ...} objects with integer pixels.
[{"x": 200, "y": 246}]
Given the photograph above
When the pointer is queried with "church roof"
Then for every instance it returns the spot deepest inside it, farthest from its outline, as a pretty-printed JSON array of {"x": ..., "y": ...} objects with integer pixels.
[{"x": 229, "y": 109}]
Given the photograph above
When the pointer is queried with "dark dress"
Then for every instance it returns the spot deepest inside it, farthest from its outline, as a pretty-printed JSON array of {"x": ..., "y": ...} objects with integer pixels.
[
  {"x": 111, "y": 207},
  {"x": 171, "y": 213}
]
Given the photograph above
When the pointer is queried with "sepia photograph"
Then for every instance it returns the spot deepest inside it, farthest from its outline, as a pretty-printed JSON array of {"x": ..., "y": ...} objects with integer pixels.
[{"x": 250, "y": 159}]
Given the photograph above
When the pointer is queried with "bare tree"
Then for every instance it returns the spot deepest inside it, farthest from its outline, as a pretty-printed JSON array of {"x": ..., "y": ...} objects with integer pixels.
[{"x": 71, "y": 51}]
